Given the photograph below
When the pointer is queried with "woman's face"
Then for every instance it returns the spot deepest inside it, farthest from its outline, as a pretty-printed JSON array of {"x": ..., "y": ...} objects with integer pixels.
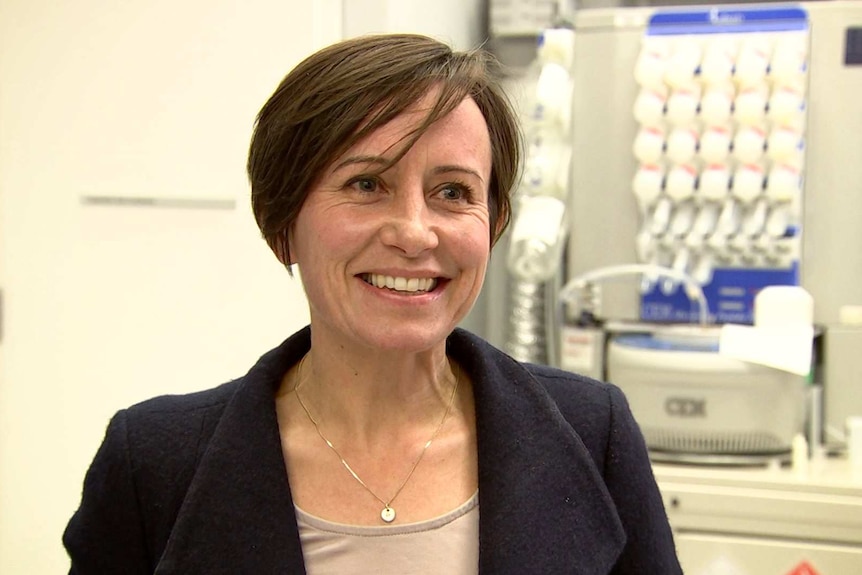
[{"x": 394, "y": 261}]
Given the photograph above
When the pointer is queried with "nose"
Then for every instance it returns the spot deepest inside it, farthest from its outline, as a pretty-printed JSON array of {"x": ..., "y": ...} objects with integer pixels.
[{"x": 409, "y": 225}]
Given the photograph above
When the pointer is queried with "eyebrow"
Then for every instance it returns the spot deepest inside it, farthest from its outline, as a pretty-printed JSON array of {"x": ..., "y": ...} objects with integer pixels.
[
  {"x": 360, "y": 160},
  {"x": 381, "y": 161},
  {"x": 461, "y": 169}
]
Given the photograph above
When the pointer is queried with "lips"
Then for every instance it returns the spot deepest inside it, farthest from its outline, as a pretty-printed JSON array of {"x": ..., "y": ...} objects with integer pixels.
[{"x": 400, "y": 284}]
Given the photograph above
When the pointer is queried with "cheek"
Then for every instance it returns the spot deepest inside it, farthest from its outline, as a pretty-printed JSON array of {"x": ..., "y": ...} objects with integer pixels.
[
  {"x": 327, "y": 244},
  {"x": 480, "y": 234},
  {"x": 474, "y": 248},
  {"x": 306, "y": 236}
]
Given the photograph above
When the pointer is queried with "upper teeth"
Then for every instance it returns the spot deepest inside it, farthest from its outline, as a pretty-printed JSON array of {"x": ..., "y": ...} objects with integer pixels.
[{"x": 401, "y": 284}]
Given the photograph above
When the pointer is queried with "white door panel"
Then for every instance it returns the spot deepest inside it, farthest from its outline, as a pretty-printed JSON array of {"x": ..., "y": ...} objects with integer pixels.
[{"x": 108, "y": 305}]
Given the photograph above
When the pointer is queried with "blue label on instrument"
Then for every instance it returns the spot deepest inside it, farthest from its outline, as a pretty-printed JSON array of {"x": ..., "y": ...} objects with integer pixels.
[
  {"x": 653, "y": 343},
  {"x": 726, "y": 19},
  {"x": 730, "y": 296}
]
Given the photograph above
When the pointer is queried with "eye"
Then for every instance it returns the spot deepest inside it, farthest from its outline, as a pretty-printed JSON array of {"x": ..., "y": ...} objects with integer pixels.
[
  {"x": 364, "y": 184},
  {"x": 454, "y": 192}
]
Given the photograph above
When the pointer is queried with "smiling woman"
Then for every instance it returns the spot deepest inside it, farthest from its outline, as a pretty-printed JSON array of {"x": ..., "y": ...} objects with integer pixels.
[
  {"x": 425, "y": 218},
  {"x": 382, "y": 169}
]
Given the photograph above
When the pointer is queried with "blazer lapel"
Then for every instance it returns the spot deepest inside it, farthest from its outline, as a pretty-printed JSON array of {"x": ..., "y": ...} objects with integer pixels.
[
  {"x": 543, "y": 505},
  {"x": 238, "y": 515}
]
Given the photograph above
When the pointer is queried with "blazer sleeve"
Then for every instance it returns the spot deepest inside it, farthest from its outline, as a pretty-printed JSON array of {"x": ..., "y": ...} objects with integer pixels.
[
  {"x": 628, "y": 474},
  {"x": 106, "y": 535}
]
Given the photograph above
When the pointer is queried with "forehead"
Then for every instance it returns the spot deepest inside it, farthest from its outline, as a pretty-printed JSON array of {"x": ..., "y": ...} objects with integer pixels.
[{"x": 460, "y": 135}]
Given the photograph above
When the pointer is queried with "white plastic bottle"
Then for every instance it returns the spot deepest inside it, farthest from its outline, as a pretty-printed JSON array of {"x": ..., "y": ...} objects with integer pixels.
[
  {"x": 539, "y": 223},
  {"x": 537, "y": 238}
]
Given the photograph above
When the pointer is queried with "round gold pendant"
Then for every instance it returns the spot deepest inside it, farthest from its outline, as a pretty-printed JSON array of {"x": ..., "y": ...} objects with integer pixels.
[{"x": 388, "y": 514}]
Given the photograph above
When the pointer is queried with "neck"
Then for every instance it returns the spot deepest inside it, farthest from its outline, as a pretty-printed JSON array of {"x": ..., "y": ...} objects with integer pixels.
[{"x": 373, "y": 396}]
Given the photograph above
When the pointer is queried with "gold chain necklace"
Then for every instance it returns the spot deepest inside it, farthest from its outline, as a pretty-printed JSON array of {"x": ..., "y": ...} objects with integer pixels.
[{"x": 388, "y": 512}]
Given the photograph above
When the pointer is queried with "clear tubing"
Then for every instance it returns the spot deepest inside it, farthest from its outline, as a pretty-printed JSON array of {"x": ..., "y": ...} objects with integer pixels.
[{"x": 568, "y": 293}]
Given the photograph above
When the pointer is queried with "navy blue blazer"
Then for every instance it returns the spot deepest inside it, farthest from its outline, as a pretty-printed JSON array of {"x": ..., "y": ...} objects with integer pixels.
[{"x": 196, "y": 484}]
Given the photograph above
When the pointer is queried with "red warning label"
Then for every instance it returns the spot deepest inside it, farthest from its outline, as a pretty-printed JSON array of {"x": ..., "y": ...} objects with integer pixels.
[{"x": 804, "y": 568}]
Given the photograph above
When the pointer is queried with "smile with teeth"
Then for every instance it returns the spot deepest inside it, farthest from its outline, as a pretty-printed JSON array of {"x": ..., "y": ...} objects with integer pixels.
[{"x": 401, "y": 284}]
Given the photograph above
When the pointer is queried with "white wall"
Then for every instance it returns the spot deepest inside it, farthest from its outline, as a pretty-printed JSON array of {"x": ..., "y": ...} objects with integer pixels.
[
  {"x": 108, "y": 305},
  {"x": 105, "y": 306},
  {"x": 459, "y": 23}
]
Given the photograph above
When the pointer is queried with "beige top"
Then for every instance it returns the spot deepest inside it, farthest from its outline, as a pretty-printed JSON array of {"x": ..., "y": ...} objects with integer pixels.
[{"x": 445, "y": 544}]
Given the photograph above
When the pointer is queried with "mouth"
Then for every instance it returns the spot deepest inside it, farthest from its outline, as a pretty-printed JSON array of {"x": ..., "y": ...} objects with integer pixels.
[{"x": 401, "y": 284}]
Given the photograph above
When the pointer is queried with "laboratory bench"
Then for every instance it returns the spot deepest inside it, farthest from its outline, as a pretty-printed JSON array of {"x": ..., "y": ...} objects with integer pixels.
[{"x": 767, "y": 519}]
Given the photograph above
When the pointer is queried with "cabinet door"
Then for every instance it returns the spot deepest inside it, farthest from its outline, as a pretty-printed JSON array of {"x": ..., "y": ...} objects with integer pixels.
[{"x": 710, "y": 554}]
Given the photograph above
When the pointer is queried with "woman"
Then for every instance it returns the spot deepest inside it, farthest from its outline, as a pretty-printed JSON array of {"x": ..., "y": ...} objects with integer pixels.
[{"x": 381, "y": 439}]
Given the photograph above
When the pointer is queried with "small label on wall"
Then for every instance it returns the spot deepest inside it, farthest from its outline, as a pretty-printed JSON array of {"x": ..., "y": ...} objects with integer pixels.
[
  {"x": 154, "y": 202},
  {"x": 853, "y": 47}
]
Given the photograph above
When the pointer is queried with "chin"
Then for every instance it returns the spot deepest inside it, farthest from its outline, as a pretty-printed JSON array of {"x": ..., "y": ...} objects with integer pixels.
[{"x": 408, "y": 340}]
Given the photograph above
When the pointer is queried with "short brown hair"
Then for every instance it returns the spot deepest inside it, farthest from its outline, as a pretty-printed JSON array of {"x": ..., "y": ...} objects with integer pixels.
[{"x": 341, "y": 94}]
